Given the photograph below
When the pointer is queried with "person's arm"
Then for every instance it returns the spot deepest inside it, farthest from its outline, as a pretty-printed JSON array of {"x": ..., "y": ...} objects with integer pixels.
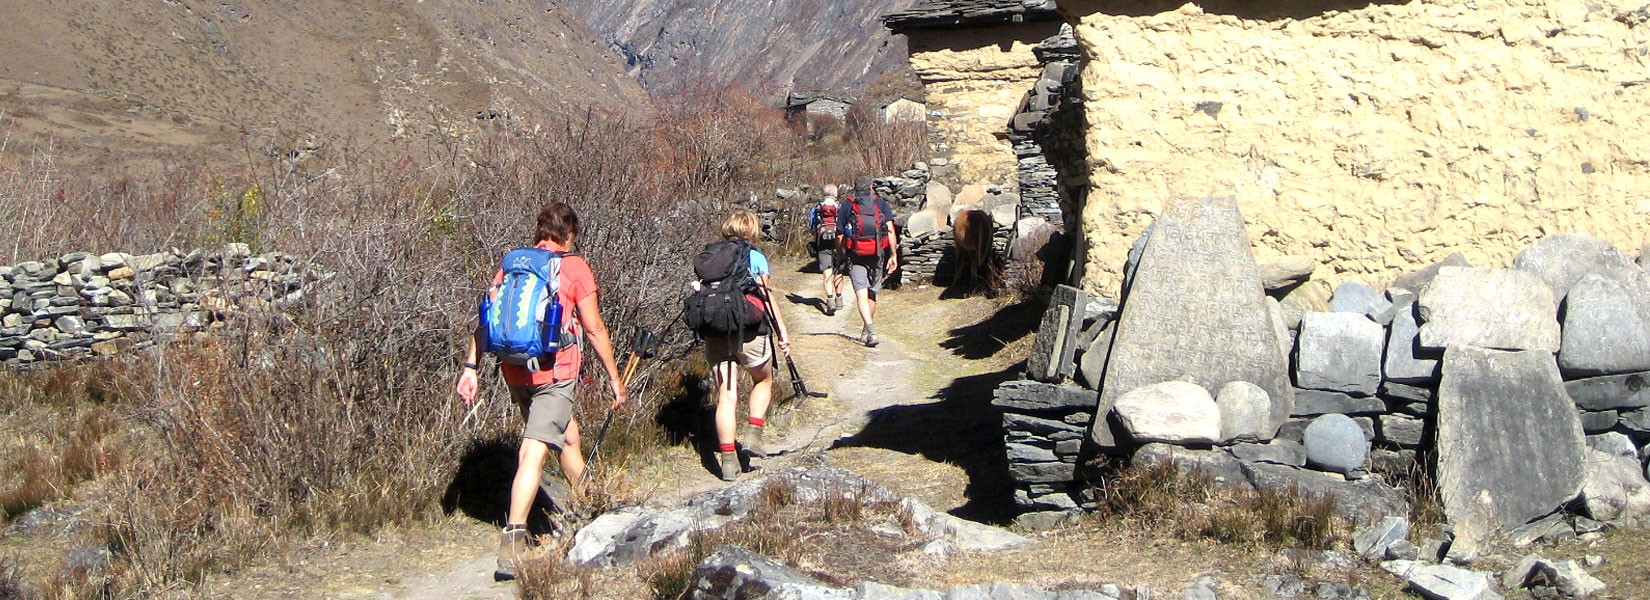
[
  {"x": 784, "y": 336},
  {"x": 468, "y": 378},
  {"x": 590, "y": 318},
  {"x": 893, "y": 246}
]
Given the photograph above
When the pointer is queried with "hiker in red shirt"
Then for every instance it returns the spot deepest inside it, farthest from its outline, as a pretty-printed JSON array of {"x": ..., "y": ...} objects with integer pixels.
[{"x": 545, "y": 397}]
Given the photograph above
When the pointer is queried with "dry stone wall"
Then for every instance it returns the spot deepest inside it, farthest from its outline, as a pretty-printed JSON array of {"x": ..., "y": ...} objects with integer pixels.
[
  {"x": 1376, "y": 139},
  {"x": 82, "y": 305}
]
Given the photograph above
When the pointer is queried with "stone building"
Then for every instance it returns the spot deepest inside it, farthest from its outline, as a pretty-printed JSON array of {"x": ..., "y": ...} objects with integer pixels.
[
  {"x": 800, "y": 105},
  {"x": 1373, "y": 137},
  {"x": 975, "y": 61},
  {"x": 903, "y": 110}
]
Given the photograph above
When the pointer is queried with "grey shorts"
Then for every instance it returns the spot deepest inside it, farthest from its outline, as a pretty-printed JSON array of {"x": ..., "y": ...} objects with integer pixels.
[
  {"x": 827, "y": 259},
  {"x": 548, "y": 409},
  {"x": 750, "y": 355},
  {"x": 866, "y": 275}
]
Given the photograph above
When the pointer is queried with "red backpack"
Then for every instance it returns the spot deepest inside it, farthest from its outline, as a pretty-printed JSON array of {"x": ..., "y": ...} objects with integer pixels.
[
  {"x": 867, "y": 233},
  {"x": 825, "y": 233}
]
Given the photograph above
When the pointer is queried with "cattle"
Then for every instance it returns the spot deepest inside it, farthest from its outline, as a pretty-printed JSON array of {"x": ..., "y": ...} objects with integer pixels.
[{"x": 972, "y": 230}]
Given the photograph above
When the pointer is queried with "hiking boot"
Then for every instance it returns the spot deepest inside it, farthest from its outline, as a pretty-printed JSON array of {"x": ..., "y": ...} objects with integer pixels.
[
  {"x": 870, "y": 337},
  {"x": 753, "y": 443},
  {"x": 512, "y": 549},
  {"x": 830, "y": 305},
  {"x": 730, "y": 465},
  {"x": 836, "y": 303}
]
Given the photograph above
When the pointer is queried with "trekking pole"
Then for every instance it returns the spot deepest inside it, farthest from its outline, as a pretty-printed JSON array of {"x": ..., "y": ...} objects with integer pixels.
[
  {"x": 798, "y": 387},
  {"x": 641, "y": 346}
]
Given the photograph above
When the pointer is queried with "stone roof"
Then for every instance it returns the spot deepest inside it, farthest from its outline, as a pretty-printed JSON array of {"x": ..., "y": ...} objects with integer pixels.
[
  {"x": 797, "y": 99},
  {"x": 947, "y": 14}
]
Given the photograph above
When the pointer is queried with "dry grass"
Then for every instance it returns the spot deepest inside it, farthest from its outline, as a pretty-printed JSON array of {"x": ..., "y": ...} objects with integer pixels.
[
  {"x": 336, "y": 418},
  {"x": 1189, "y": 506}
]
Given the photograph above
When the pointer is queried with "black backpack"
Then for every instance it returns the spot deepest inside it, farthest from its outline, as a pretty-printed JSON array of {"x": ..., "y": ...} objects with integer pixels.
[{"x": 725, "y": 301}]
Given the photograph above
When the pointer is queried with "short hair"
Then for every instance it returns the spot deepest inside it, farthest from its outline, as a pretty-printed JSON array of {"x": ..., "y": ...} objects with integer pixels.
[
  {"x": 741, "y": 224},
  {"x": 862, "y": 185},
  {"x": 558, "y": 222},
  {"x": 830, "y": 189}
]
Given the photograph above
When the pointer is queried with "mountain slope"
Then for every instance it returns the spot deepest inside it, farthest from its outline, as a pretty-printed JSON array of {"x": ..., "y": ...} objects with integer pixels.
[
  {"x": 154, "y": 78},
  {"x": 831, "y": 45}
]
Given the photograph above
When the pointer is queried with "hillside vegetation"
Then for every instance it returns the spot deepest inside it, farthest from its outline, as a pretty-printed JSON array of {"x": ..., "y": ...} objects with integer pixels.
[{"x": 182, "y": 81}]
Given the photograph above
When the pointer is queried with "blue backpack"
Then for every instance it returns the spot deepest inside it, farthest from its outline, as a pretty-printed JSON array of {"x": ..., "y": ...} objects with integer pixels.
[{"x": 521, "y": 316}]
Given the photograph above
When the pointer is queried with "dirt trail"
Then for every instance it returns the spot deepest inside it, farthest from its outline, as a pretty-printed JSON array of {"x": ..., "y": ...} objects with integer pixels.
[{"x": 911, "y": 414}]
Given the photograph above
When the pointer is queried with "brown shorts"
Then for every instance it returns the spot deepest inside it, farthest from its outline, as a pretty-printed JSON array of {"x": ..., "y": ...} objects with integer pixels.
[
  {"x": 548, "y": 409},
  {"x": 750, "y": 355}
]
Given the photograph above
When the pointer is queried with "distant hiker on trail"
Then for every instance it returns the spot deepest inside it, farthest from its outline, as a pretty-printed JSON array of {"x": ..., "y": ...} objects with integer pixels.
[
  {"x": 540, "y": 356},
  {"x": 867, "y": 226},
  {"x": 822, "y": 221},
  {"x": 732, "y": 309}
]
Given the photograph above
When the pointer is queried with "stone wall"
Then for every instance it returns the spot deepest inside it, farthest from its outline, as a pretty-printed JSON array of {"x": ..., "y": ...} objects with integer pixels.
[
  {"x": 1375, "y": 139},
  {"x": 81, "y": 305},
  {"x": 975, "y": 79}
]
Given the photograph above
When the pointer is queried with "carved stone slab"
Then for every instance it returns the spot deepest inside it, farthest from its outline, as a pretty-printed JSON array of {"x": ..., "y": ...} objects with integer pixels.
[
  {"x": 1509, "y": 442},
  {"x": 1195, "y": 312},
  {"x": 1504, "y": 309}
]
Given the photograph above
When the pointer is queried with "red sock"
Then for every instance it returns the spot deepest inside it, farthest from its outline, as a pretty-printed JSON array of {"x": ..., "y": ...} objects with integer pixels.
[
  {"x": 758, "y": 421},
  {"x": 727, "y": 448}
]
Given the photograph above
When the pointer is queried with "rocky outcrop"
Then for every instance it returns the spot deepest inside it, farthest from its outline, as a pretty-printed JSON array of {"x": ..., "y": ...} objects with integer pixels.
[
  {"x": 1367, "y": 136},
  {"x": 672, "y": 45}
]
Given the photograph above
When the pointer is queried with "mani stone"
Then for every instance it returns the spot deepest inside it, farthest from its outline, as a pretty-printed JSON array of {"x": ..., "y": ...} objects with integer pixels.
[
  {"x": 1615, "y": 487},
  {"x": 1405, "y": 361},
  {"x": 1195, "y": 311},
  {"x": 1335, "y": 443},
  {"x": 1606, "y": 326},
  {"x": 1053, "y": 356},
  {"x": 1245, "y": 413},
  {"x": 1174, "y": 412},
  {"x": 1561, "y": 260},
  {"x": 1417, "y": 280},
  {"x": 1626, "y": 391},
  {"x": 1502, "y": 309},
  {"x": 1339, "y": 351},
  {"x": 1510, "y": 445}
]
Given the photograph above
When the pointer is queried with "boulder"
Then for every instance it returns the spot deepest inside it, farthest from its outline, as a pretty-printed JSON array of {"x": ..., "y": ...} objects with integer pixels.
[
  {"x": 1627, "y": 391},
  {"x": 1606, "y": 326},
  {"x": 922, "y": 221},
  {"x": 1443, "y": 582},
  {"x": 938, "y": 198},
  {"x": 970, "y": 196},
  {"x": 1361, "y": 502},
  {"x": 1245, "y": 413},
  {"x": 1614, "y": 444},
  {"x": 734, "y": 572},
  {"x": 1417, "y": 280},
  {"x": 1174, "y": 412},
  {"x": 1372, "y": 541},
  {"x": 1092, "y": 366},
  {"x": 1615, "y": 487},
  {"x": 1510, "y": 445},
  {"x": 1339, "y": 351},
  {"x": 1568, "y": 578},
  {"x": 1280, "y": 272},
  {"x": 1220, "y": 467},
  {"x": 1502, "y": 309},
  {"x": 1405, "y": 360},
  {"x": 1561, "y": 260},
  {"x": 1195, "y": 311},
  {"x": 1353, "y": 297},
  {"x": 1336, "y": 444}
]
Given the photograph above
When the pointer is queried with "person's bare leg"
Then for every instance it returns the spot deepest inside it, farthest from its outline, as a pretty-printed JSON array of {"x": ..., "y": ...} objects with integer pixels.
[
  {"x": 572, "y": 460},
  {"x": 727, "y": 400},
  {"x": 529, "y": 466}
]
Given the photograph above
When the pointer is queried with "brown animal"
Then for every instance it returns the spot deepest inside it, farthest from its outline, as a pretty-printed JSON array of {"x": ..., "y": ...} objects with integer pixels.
[{"x": 972, "y": 230}]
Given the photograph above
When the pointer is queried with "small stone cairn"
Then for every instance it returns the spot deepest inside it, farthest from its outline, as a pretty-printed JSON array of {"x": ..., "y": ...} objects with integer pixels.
[
  {"x": 1525, "y": 390},
  {"x": 87, "y": 305}
]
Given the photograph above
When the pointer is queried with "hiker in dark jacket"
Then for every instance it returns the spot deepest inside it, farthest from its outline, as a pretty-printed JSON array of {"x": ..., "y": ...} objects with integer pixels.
[
  {"x": 872, "y": 249},
  {"x": 754, "y": 354},
  {"x": 545, "y": 397}
]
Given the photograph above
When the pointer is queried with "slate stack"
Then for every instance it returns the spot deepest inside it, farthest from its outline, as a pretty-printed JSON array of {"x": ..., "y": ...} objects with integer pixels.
[{"x": 83, "y": 305}]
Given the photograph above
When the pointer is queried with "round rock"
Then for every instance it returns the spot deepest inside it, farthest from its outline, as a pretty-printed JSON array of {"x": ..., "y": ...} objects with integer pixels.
[
  {"x": 1173, "y": 412},
  {"x": 1335, "y": 443}
]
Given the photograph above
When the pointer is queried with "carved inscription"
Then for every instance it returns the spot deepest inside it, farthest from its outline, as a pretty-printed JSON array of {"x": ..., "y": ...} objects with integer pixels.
[{"x": 1196, "y": 311}]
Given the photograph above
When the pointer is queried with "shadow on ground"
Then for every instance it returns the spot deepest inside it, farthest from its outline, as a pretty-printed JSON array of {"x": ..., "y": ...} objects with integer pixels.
[
  {"x": 961, "y": 429},
  {"x": 481, "y": 487},
  {"x": 989, "y": 336}
]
